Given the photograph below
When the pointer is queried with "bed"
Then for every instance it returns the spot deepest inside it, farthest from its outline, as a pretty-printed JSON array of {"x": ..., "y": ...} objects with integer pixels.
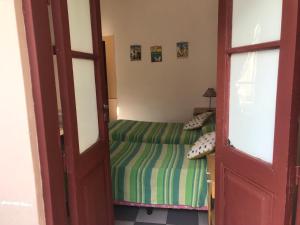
[
  {"x": 157, "y": 175},
  {"x": 154, "y": 132},
  {"x": 149, "y": 165}
]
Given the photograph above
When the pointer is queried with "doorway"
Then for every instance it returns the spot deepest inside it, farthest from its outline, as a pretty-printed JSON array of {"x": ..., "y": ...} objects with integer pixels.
[{"x": 285, "y": 47}]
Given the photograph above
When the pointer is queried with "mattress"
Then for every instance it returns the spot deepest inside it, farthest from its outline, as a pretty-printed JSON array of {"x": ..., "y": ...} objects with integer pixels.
[
  {"x": 154, "y": 132},
  {"x": 157, "y": 175}
]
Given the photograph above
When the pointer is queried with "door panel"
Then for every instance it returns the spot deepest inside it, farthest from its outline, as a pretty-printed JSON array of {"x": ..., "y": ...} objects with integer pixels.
[
  {"x": 93, "y": 191},
  {"x": 237, "y": 192},
  {"x": 79, "y": 50},
  {"x": 255, "y": 116},
  {"x": 86, "y": 111}
]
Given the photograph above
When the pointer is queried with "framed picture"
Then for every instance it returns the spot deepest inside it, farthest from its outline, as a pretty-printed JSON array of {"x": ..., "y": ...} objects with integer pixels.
[
  {"x": 156, "y": 53},
  {"x": 135, "y": 52},
  {"x": 182, "y": 49}
]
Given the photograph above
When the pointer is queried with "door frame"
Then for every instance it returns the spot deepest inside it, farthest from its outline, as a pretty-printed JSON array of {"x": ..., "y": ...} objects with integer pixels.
[
  {"x": 290, "y": 50},
  {"x": 45, "y": 105},
  {"x": 43, "y": 87}
]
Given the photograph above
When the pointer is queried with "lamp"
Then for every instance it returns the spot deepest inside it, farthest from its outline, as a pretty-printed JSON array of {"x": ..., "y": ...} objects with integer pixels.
[{"x": 210, "y": 93}]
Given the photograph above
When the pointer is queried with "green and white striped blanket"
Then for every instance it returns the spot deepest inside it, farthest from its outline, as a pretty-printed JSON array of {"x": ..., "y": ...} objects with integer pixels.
[
  {"x": 154, "y": 132},
  {"x": 157, "y": 174}
]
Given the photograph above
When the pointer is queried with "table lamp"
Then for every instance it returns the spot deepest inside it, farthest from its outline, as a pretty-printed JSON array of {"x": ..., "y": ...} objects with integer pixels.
[{"x": 210, "y": 93}]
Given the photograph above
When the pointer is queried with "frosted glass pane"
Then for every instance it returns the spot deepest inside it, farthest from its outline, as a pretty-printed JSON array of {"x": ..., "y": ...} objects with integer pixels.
[
  {"x": 80, "y": 25},
  {"x": 253, "y": 88},
  {"x": 256, "y": 21},
  {"x": 86, "y": 103}
]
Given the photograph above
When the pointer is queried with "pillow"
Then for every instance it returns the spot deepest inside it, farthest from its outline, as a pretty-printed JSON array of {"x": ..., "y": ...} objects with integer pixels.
[
  {"x": 197, "y": 121},
  {"x": 209, "y": 125},
  {"x": 205, "y": 145}
]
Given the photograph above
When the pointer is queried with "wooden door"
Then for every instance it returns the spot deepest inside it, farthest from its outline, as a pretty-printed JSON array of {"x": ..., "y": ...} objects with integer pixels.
[
  {"x": 79, "y": 51},
  {"x": 257, "y": 109}
]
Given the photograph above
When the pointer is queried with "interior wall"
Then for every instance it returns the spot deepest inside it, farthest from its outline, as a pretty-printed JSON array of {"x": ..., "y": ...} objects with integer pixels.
[
  {"x": 21, "y": 199},
  {"x": 111, "y": 75},
  {"x": 169, "y": 90}
]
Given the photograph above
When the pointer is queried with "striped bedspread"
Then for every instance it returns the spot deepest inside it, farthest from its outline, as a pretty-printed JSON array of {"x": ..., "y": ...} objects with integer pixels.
[
  {"x": 157, "y": 174},
  {"x": 152, "y": 132}
]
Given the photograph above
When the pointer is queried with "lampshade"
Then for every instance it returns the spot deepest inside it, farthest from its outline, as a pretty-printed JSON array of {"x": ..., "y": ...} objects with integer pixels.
[{"x": 210, "y": 92}]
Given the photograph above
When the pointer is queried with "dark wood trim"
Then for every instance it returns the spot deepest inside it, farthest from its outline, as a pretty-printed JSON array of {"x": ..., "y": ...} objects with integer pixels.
[
  {"x": 255, "y": 47},
  {"x": 43, "y": 87},
  {"x": 223, "y": 65},
  {"x": 82, "y": 55},
  {"x": 66, "y": 85},
  {"x": 100, "y": 77},
  {"x": 102, "y": 93},
  {"x": 77, "y": 54},
  {"x": 288, "y": 96}
]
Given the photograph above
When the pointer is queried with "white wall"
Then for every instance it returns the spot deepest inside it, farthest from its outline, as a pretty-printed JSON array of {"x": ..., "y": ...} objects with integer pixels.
[
  {"x": 21, "y": 201},
  {"x": 166, "y": 91}
]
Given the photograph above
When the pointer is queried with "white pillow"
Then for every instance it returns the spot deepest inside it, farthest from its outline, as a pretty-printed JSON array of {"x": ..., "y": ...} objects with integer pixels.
[
  {"x": 197, "y": 121},
  {"x": 205, "y": 145}
]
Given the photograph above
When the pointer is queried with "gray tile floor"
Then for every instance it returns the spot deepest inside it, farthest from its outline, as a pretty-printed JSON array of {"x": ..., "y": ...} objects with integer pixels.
[{"x": 127, "y": 215}]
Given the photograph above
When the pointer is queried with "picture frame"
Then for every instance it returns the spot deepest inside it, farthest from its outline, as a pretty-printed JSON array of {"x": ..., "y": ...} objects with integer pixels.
[
  {"x": 182, "y": 49},
  {"x": 156, "y": 53},
  {"x": 135, "y": 52}
]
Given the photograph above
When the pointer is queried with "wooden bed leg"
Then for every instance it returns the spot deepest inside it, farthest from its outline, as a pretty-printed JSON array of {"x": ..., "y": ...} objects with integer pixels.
[{"x": 149, "y": 211}]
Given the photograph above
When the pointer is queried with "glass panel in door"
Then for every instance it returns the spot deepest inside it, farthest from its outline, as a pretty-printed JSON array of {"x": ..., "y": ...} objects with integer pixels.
[
  {"x": 80, "y": 25},
  {"x": 253, "y": 76},
  {"x": 256, "y": 21},
  {"x": 253, "y": 89},
  {"x": 86, "y": 103}
]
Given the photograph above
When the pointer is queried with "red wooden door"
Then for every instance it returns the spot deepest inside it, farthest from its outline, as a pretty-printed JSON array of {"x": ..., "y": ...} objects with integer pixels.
[
  {"x": 79, "y": 51},
  {"x": 257, "y": 108}
]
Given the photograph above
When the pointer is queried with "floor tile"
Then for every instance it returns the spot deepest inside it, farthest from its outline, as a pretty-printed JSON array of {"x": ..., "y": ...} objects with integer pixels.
[
  {"x": 126, "y": 213},
  {"x": 118, "y": 222},
  {"x": 158, "y": 216},
  {"x": 182, "y": 217},
  {"x": 140, "y": 223},
  {"x": 203, "y": 218}
]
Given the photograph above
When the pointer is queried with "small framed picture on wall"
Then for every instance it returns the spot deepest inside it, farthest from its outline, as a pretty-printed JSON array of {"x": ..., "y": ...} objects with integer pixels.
[
  {"x": 156, "y": 54},
  {"x": 135, "y": 52},
  {"x": 182, "y": 49}
]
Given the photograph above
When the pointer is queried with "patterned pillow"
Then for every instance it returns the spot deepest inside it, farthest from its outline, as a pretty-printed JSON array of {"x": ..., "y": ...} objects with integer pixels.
[
  {"x": 197, "y": 121},
  {"x": 204, "y": 146}
]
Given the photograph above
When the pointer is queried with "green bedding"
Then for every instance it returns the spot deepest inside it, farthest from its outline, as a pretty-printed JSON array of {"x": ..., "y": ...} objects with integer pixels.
[
  {"x": 154, "y": 132},
  {"x": 157, "y": 174}
]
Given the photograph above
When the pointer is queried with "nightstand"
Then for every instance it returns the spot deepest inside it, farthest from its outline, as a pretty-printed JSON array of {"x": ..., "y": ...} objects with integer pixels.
[{"x": 199, "y": 110}]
